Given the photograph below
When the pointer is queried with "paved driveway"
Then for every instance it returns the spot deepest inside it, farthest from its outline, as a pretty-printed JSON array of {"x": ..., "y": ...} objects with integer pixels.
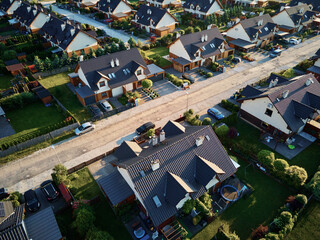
[
  {"x": 164, "y": 87},
  {"x": 84, "y": 19},
  {"x": 5, "y": 128},
  {"x": 204, "y": 114}
]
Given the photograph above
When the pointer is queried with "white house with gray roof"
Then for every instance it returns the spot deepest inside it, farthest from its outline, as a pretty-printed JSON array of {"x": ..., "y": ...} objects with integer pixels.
[
  {"x": 164, "y": 3},
  {"x": 7, "y": 7},
  {"x": 202, "y": 8}
]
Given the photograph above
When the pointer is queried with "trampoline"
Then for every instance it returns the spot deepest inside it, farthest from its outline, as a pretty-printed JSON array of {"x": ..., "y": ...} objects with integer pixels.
[{"x": 230, "y": 193}]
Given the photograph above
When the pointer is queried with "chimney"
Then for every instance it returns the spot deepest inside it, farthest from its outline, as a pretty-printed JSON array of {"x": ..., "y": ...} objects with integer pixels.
[
  {"x": 63, "y": 26},
  {"x": 154, "y": 140},
  {"x": 271, "y": 84},
  {"x": 155, "y": 165},
  {"x": 261, "y": 13},
  {"x": 72, "y": 31},
  {"x": 112, "y": 63},
  {"x": 206, "y": 37},
  {"x": 308, "y": 82},
  {"x": 275, "y": 82},
  {"x": 282, "y": 8},
  {"x": 285, "y": 93},
  {"x": 34, "y": 12},
  {"x": 117, "y": 62},
  {"x": 162, "y": 136},
  {"x": 81, "y": 58},
  {"x": 202, "y": 38},
  {"x": 199, "y": 141}
]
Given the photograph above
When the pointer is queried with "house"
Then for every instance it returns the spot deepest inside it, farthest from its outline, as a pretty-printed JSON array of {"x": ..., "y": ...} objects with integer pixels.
[
  {"x": 16, "y": 69},
  {"x": 314, "y": 3},
  {"x": 154, "y": 20},
  {"x": 7, "y": 7},
  {"x": 282, "y": 110},
  {"x": 253, "y": 32},
  {"x": 315, "y": 69},
  {"x": 179, "y": 164},
  {"x": 294, "y": 19},
  {"x": 316, "y": 56},
  {"x": 115, "y": 9},
  {"x": 30, "y": 18},
  {"x": 66, "y": 37},
  {"x": 198, "y": 49},
  {"x": 164, "y": 3},
  {"x": 109, "y": 76},
  {"x": 83, "y": 3},
  {"x": 202, "y": 8},
  {"x": 247, "y": 3}
]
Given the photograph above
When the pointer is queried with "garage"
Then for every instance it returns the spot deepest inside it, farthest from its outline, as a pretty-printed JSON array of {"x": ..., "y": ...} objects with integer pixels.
[
  {"x": 117, "y": 91},
  {"x": 89, "y": 100},
  {"x": 156, "y": 73},
  {"x": 85, "y": 95}
]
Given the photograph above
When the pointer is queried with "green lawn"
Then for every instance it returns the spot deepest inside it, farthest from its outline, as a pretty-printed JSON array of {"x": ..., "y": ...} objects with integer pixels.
[
  {"x": 5, "y": 81},
  {"x": 56, "y": 84},
  {"x": 162, "y": 51},
  {"x": 307, "y": 226},
  {"x": 83, "y": 186},
  {"x": 248, "y": 213}
]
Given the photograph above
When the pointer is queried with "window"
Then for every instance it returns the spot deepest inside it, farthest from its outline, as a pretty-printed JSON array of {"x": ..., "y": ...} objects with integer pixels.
[
  {"x": 139, "y": 84},
  {"x": 102, "y": 84},
  {"x": 268, "y": 112},
  {"x": 139, "y": 72},
  {"x": 104, "y": 94},
  {"x": 196, "y": 63}
]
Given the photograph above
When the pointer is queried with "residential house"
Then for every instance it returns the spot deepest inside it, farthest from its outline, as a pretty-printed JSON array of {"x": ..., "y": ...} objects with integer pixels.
[
  {"x": 66, "y": 37},
  {"x": 115, "y": 9},
  {"x": 109, "y": 76},
  {"x": 202, "y": 8},
  {"x": 198, "y": 49},
  {"x": 282, "y": 109},
  {"x": 7, "y": 7},
  {"x": 314, "y": 3},
  {"x": 315, "y": 69},
  {"x": 30, "y": 18},
  {"x": 164, "y": 3},
  {"x": 247, "y": 3},
  {"x": 253, "y": 32},
  {"x": 294, "y": 19},
  {"x": 154, "y": 20},
  {"x": 83, "y": 3},
  {"x": 316, "y": 56},
  {"x": 180, "y": 163}
]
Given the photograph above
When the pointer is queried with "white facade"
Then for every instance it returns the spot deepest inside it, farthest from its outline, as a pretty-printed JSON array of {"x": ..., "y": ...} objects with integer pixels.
[
  {"x": 117, "y": 91},
  {"x": 122, "y": 8},
  {"x": 104, "y": 88},
  {"x": 82, "y": 77},
  {"x": 237, "y": 31},
  {"x": 178, "y": 49},
  {"x": 283, "y": 18},
  {"x": 39, "y": 21},
  {"x": 214, "y": 8},
  {"x": 81, "y": 41},
  {"x": 166, "y": 21},
  {"x": 13, "y": 7},
  {"x": 182, "y": 201}
]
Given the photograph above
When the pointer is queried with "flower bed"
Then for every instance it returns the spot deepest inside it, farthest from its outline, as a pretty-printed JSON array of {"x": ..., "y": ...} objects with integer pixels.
[{"x": 151, "y": 93}]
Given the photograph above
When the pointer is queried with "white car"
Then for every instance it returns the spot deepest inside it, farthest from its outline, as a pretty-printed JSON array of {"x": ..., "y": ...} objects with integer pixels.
[
  {"x": 294, "y": 41},
  {"x": 84, "y": 128},
  {"x": 106, "y": 105}
]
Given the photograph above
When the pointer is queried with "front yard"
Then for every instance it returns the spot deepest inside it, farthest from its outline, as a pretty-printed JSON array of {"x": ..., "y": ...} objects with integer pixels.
[
  {"x": 161, "y": 51},
  {"x": 248, "y": 213},
  {"x": 83, "y": 186},
  {"x": 57, "y": 85}
]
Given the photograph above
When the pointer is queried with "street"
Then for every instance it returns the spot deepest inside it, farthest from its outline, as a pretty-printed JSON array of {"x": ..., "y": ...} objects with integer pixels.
[{"x": 30, "y": 171}]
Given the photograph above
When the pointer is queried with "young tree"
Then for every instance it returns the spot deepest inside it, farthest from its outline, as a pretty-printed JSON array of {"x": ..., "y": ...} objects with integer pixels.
[
  {"x": 132, "y": 42},
  {"x": 147, "y": 83},
  {"x": 280, "y": 165},
  {"x": 38, "y": 63},
  {"x": 55, "y": 61},
  {"x": 206, "y": 121},
  {"x": 47, "y": 64},
  {"x": 266, "y": 157},
  {"x": 114, "y": 47},
  {"x": 92, "y": 53},
  {"x": 99, "y": 52},
  {"x": 60, "y": 174},
  {"x": 314, "y": 184},
  {"x": 122, "y": 46},
  {"x": 64, "y": 59},
  {"x": 74, "y": 58},
  {"x": 139, "y": 44},
  {"x": 84, "y": 219},
  {"x": 297, "y": 175},
  {"x": 150, "y": 133}
]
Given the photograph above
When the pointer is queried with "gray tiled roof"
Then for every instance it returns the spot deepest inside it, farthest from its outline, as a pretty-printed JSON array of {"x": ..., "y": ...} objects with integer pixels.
[
  {"x": 204, "y": 5},
  {"x": 26, "y": 13},
  {"x": 250, "y": 91},
  {"x": 314, "y": 69},
  {"x": 13, "y": 219},
  {"x": 314, "y": 3},
  {"x": 302, "y": 12},
  {"x": 17, "y": 232},
  {"x": 43, "y": 225},
  {"x": 128, "y": 150},
  {"x": 128, "y": 59},
  {"x": 115, "y": 187},
  {"x": 177, "y": 155},
  {"x": 274, "y": 76},
  {"x": 146, "y": 13},
  {"x": 104, "y": 5}
]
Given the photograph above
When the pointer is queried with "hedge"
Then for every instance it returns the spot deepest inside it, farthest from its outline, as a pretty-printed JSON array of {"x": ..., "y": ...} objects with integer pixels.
[
  {"x": 175, "y": 80},
  {"x": 229, "y": 106},
  {"x": 17, "y": 101}
]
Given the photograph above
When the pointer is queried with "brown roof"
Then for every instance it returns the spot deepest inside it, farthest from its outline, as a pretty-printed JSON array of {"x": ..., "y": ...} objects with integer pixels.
[{"x": 15, "y": 67}]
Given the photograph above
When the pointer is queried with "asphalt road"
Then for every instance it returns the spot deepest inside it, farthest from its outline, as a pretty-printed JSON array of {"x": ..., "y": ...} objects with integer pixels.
[{"x": 32, "y": 170}]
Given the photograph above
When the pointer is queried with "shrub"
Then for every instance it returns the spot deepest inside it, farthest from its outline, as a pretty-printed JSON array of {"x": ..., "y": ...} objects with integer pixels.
[
  {"x": 197, "y": 29},
  {"x": 206, "y": 199},
  {"x": 189, "y": 30},
  {"x": 84, "y": 219},
  {"x": 206, "y": 121},
  {"x": 232, "y": 133},
  {"x": 94, "y": 234},
  {"x": 266, "y": 157},
  {"x": 188, "y": 206},
  {"x": 301, "y": 198},
  {"x": 196, "y": 220},
  {"x": 200, "y": 206},
  {"x": 17, "y": 101},
  {"x": 297, "y": 176},
  {"x": 222, "y": 131},
  {"x": 229, "y": 106},
  {"x": 147, "y": 83},
  {"x": 314, "y": 184},
  {"x": 289, "y": 73},
  {"x": 209, "y": 74},
  {"x": 259, "y": 232},
  {"x": 280, "y": 165},
  {"x": 285, "y": 217},
  {"x": 151, "y": 132},
  {"x": 60, "y": 174}
]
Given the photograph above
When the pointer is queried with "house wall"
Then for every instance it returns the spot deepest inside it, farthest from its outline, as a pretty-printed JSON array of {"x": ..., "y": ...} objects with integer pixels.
[
  {"x": 125, "y": 174},
  {"x": 142, "y": 76},
  {"x": 82, "y": 41},
  {"x": 182, "y": 201},
  {"x": 166, "y": 21},
  {"x": 214, "y": 8},
  {"x": 257, "y": 108},
  {"x": 283, "y": 19},
  {"x": 13, "y": 7},
  {"x": 38, "y": 23},
  {"x": 102, "y": 89},
  {"x": 122, "y": 8},
  {"x": 178, "y": 50},
  {"x": 213, "y": 182},
  {"x": 82, "y": 77},
  {"x": 238, "y": 31}
]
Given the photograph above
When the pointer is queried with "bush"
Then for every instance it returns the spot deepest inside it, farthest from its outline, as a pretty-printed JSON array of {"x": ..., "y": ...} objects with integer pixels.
[
  {"x": 297, "y": 176},
  {"x": 200, "y": 206},
  {"x": 197, "y": 29},
  {"x": 147, "y": 83},
  {"x": 207, "y": 200},
  {"x": 17, "y": 101},
  {"x": 209, "y": 74},
  {"x": 222, "y": 131},
  {"x": 84, "y": 219},
  {"x": 232, "y": 132},
  {"x": 60, "y": 174},
  {"x": 229, "y": 106},
  {"x": 289, "y": 73},
  {"x": 189, "y": 30},
  {"x": 96, "y": 234},
  {"x": 266, "y": 157},
  {"x": 188, "y": 206},
  {"x": 314, "y": 184},
  {"x": 151, "y": 132},
  {"x": 301, "y": 198},
  {"x": 206, "y": 121},
  {"x": 196, "y": 220},
  {"x": 285, "y": 217},
  {"x": 280, "y": 165}
]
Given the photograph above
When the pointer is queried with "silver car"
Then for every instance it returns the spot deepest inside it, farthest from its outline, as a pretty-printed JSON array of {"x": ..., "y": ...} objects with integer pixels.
[
  {"x": 106, "y": 105},
  {"x": 85, "y": 127}
]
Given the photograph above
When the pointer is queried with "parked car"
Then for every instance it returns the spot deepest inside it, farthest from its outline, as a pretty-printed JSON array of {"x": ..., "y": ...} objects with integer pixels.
[
  {"x": 236, "y": 60},
  {"x": 32, "y": 201},
  {"x": 49, "y": 190},
  {"x": 106, "y": 105},
  {"x": 4, "y": 193},
  {"x": 215, "y": 113},
  {"x": 138, "y": 230},
  {"x": 84, "y": 128},
  {"x": 145, "y": 127},
  {"x": 275, "y": 53},
  {"x": 295, "y": 41},
  {"x": 109, "y": 20},
  {"x": 96, "y": 110},
  {"x": 189, "y": 77}
]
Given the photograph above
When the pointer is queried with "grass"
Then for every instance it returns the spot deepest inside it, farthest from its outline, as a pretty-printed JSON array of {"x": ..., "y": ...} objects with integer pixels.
[
  {"x": 83, "y": 186},
  {"x": 307, "y": 226},
  {"x": 162, "y": 51},
  {"x": 5, "y": 82},
  {"x": 248, "y": 213},
  {"x": 57, "y": 86}
]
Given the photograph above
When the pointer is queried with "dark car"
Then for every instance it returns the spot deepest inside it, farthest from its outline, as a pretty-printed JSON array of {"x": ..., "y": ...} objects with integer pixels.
[
  {"x": 275, "y": 53},
  {"x": 236, "y": 60},
  {"x": 49, "y": 190},
  {"x": 96, "y": 110},
  {"x": 145, "y": 127},
  {"x": 215, "y": 113},
  {"x": 4, "y": 193},
  {"x": 188, "y": 77},
  {"x": 32, "y": 201}
]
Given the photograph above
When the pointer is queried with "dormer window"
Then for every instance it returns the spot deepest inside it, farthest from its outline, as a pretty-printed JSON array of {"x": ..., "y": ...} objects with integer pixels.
[
  {"x": 191, "y": 6},
  {"x": 198, "y": 8},
  {"x": 102, "y": 84},
  {"x": 139, "y": 72}
]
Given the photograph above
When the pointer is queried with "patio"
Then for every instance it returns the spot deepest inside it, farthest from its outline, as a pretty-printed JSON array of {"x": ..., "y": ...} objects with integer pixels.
[{"x": 292, "y": 147}]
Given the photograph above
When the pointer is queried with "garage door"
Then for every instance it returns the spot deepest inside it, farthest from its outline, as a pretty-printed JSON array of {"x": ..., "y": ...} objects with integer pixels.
[
  {"x": 156, "y": 78},
  {"x": 117, "y": 91},
  {"x": 129, "y": 87},
  {"x": 89, "y": 100}
]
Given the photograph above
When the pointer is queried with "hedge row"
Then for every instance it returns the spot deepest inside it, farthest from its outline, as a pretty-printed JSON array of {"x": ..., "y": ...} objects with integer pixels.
[
  {"x": 229, "y": 106},
  {"x": 175, "y": 80},
  {"x": 17, "y": 101}
]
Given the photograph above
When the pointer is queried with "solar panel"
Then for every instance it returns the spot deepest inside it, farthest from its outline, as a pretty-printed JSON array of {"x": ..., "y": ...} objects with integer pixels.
[{"x": 2, "y": 213}]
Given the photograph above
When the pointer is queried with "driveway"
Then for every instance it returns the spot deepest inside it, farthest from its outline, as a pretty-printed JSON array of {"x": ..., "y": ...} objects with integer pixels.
[
  {"x": 5, "y": 128},
  {"x": 84, "y": 19},
  {"x": 203, "y": 114},
  {"x": 102, "y": 167},
  {"x": 164, "y": 87}
]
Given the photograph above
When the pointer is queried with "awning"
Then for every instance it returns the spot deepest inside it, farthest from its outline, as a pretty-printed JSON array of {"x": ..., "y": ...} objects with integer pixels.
[
  {"x": 242, "y": 43},
  {"x": 181, "y": 61}
]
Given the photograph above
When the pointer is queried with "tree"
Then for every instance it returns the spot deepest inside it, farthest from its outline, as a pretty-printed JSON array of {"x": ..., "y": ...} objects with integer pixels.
[
  {"x": 64, "y": 59},
  {"x": 139, "y": 44},
  {"x": 314, "y": 184},
  {"x": 84, "y": 219},
  {"x": 47, "y": 64},
  {"x": 150, "y": 133},
  {"x": 2, "y": 48},
  {"x": 96, "y": 234},
  {"x": 60, "y": 174},
  {"x": 38, "y": 63},
  {"x": 74, "y": 57},
  {"x": 114, "y": 47},
  {"x": 99, "y": 52},
  {"x": 56, "y": 61},
  {"x": 132, "y": 42},
  {"x": 9, "y": 55},
  {"x": 197, "y": 29},
  {"x": 280, "y": 165},
  {"x": 285, "y": 217},
  {"x": 301, "y": 198},
  {"x": 266, "y": 157},
  {"x": 222, "y": 131},
  {"x": 297, "y": 175},
  {"x": 206, "y": 121},
  {"x": 147, "y": 83},
  {"x": 92, "y": 53},
  {"x": 122, "y": 46},
  {"x": 189, "y": 30}
]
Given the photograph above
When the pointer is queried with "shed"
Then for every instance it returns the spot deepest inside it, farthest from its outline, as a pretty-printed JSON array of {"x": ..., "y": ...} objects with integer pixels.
[
  {"x": 16, "y": 69},
  {"x": 43, "y": 94},
  {"x": 65, "y": 193}
]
